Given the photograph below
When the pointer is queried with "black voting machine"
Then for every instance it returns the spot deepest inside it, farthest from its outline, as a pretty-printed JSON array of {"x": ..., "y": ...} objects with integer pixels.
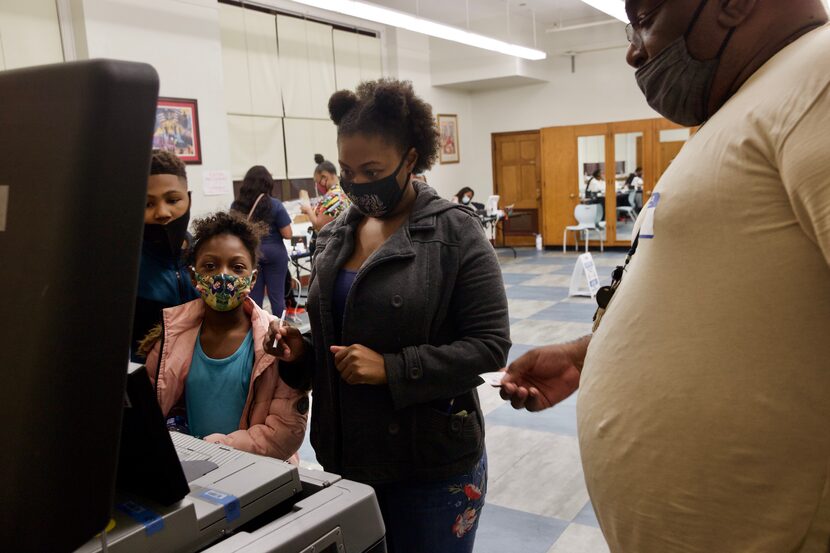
[{"x": 75, "y": 143}]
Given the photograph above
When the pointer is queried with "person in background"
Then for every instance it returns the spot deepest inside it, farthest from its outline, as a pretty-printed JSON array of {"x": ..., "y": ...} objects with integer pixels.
[
  {"x": 163, "y": 278},
  {"x": 465, "y": 197},
  {"x": 332, "y": 202},
  {"x": 217, "y": 382},
  {"x": 257, "y": 205},
  {"x": 634, "y": 181},
  {"x": 595, "y": 184},
  {"x": 407, "y": 307},
  {"x": 714, "y": 437}
]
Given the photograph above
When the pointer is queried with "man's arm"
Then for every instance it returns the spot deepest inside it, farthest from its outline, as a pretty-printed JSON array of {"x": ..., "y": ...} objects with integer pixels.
[{"x": 543, "y": 377}]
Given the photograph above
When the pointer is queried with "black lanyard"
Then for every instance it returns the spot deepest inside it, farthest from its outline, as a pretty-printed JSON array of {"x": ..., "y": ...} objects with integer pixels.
[{"x": 605, "y": 293}]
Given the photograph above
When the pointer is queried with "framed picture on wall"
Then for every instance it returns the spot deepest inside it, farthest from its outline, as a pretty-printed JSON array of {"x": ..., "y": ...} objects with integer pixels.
[
  {"x": 449, "y": 149},
  {"x": 177, "y": 129}
]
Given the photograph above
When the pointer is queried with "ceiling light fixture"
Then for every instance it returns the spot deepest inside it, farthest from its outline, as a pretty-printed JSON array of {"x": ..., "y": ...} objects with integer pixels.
[
  {"x": 614, "y": 8},
  {"x": 394, "y": 18}
]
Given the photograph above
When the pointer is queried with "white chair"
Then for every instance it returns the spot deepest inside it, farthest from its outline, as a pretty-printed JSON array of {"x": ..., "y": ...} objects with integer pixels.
[
  {"x": 586, "y": 217},
  {"x": 629, "y": 210}
]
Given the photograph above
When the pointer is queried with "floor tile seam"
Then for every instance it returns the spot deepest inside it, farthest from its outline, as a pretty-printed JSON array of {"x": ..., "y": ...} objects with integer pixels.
[
  {"x": 534, "y": 515},
  {"x": 561, "y": 534},
  {"x": 489, "y": 483}
]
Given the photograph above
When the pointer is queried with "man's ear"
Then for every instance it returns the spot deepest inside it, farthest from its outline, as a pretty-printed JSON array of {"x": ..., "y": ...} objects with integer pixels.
[{"x": 734, "y": 12}]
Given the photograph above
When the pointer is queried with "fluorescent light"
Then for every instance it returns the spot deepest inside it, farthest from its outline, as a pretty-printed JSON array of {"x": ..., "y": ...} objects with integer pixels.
[
  {"x": 614, "y": 8},
  {"x": 394, "y": 18}
]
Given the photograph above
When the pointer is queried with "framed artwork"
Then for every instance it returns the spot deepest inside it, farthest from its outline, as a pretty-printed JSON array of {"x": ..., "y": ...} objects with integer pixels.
[
  {"x": 449, "y": 149},
  {"x": 177, "y": 129}
]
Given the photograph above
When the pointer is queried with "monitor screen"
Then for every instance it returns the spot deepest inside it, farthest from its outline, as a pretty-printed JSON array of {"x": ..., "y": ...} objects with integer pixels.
[
  {"x": 75, "y": 143},
  {"x": 148, "y": 466}
]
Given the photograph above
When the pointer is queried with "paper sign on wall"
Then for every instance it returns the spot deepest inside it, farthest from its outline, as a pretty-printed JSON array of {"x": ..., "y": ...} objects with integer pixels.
[
  {"x": 585, "y": 272},
  {"x": 217, "y": 183}
]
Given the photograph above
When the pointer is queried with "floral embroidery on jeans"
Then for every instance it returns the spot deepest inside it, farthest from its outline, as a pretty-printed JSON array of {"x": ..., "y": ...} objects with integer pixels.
[
  {"x": 472, "y": 491},
  {"x": 467, "y": 519},
  {"x": 464, "y": 522}
]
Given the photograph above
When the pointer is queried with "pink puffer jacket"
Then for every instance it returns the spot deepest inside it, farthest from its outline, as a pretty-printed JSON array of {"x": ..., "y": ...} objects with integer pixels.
[{"x": 277, "y": 412}]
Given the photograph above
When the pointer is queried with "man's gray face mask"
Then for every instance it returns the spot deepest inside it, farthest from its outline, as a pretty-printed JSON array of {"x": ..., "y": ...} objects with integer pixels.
[{"x": 678, "y": 86}]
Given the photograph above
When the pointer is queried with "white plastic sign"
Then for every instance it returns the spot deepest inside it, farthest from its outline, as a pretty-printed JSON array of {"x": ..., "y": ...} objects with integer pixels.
[{"x": 584, "y": 280}]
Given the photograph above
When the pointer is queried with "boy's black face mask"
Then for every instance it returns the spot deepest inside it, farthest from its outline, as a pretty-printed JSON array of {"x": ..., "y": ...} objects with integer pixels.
[{"x": 166, "y": 240}]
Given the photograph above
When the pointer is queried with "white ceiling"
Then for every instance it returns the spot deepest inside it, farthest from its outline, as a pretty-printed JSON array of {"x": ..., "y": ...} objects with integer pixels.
[{"x": 548, "y": 12}]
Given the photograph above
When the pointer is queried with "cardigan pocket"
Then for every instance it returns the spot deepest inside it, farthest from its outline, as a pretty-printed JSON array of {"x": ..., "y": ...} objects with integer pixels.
[{"x": 443, "y": 438}]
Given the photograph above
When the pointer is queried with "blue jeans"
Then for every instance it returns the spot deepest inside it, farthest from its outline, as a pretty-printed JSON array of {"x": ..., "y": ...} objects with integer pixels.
[
  {"x": 273, "y": 267},
  {"x": 434, "y": 517}
]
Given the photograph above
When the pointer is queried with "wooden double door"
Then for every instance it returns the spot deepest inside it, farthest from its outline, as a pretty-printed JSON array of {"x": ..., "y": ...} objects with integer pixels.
[
  {"x": 614, "y": 166},
  {"x": 517, "y": 180}
]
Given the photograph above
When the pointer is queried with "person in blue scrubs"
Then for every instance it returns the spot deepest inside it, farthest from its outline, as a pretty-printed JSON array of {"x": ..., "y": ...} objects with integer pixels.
[{"x": 257, "y": 205}]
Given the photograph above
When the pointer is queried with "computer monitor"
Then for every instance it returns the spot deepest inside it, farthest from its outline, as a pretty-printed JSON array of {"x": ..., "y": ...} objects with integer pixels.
[
  {"x": 75, "y": 143},
  {"x": 148, "y": 466}
]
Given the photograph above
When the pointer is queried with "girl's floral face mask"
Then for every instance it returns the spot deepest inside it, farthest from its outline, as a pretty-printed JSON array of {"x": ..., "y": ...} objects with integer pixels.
[{"x": 223, "y": 292}]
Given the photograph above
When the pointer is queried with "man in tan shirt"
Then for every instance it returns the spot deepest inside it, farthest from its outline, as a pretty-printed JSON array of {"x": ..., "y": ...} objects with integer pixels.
[{"x": 704, "y": 409}]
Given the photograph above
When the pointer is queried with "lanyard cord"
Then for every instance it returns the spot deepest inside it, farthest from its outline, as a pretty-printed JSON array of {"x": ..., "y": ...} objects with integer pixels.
[{"x": 605, "y": 293}]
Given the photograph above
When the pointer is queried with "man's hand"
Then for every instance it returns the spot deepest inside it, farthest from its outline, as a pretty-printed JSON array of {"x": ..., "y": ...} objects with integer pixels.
[
  {"x": 543, "y": 377},
  {"x": 290, "y": 345},
  {"x": 359, "y": 365}
]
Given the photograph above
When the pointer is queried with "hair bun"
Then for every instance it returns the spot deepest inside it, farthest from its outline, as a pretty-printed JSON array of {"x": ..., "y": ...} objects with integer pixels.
[
  {"x": 341, "y": 103},
  {"x": 318, "y": 159}
]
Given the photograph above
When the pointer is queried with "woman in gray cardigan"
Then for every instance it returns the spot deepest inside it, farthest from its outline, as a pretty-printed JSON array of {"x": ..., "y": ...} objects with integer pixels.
[{"x": 407, "y": 308}]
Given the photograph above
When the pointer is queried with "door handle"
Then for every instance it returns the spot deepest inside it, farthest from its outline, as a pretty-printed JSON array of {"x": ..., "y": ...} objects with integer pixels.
[{"x": 572, "y": 196}]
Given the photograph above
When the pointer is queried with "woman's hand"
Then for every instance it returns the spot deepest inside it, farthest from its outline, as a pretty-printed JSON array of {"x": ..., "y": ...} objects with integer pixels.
[
  {"x": 359, "y": 365},
  {"x": 305, "y": 208},
  {"x": 290, "y": 345}
]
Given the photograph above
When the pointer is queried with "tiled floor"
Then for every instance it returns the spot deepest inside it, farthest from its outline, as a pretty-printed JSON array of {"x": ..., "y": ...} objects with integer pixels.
[{"x": 536, "y": 500}]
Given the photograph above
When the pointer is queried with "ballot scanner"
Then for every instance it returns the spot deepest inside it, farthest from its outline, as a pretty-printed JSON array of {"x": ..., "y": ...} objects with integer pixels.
[
  {"x": 178, "y": 494},
  {"x": 326, "y": 515}
]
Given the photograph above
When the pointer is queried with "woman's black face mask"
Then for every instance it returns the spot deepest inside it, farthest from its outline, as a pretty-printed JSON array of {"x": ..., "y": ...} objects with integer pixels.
[{"x": 378, "y": 198}]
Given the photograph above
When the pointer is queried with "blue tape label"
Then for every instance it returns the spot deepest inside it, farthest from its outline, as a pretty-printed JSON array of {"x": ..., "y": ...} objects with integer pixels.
[
  {"x": 230, "y": 502},
  {"x": 153, "y": 523}
]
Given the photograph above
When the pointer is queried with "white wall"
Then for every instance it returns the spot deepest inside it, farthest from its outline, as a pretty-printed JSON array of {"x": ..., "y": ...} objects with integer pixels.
[
  {"x": 180, "y": 38},
  {"x": 409, "y": 59},
  {"x": 29, "y": 33},
  {"x": 601, "y": 90}
]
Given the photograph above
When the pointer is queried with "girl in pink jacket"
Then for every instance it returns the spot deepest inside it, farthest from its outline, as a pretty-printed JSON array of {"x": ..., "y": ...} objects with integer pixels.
[{"x": 207, "y": 362}]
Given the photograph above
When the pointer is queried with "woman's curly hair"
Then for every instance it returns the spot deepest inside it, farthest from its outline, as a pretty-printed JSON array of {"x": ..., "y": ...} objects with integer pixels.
[
  {"x": 389, "y": 108},
  {"x": 222, "y": 222}
]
